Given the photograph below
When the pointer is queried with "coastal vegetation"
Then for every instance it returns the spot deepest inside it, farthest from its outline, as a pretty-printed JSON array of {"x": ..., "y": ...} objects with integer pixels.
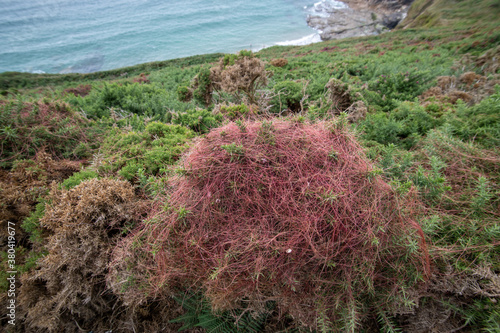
[{"x": 344, "y": 186}]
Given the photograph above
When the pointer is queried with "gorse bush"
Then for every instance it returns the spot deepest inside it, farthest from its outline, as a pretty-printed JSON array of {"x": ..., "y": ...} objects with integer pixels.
[
  {"x": 480, "y": 123},
  {"x": 432, "y": 183},
  {"x": 388, "y": 89},
  {"x": 458, "y": 181},
  {"x": 152, "y": 150},
  {"x": 239, "y": 75},
  {"x": 199, "y": 120},
  {"x": 132, "y": 122},
  {"x": 280, "y": 62},
  {"x": 199, "y": 314},
  {"x": 26, "y": 128},
  {"x": 89, "y": 216},
  {"x": 345, "y": 98},
  {"x": 142, "y": 99},
  {"x": 31, "y": 224},
  {"x": 455, "y": 182},
  {"x": 184, "y": 93},
  {"x": 273, "y": 211},
  {"x": 27, "y": 183},
  {"x": 230, "y": 59},
  {"x": 77, "y": 178},
  {"x": 234, "y": 111},
  {"x": 288, "y": 95},
  {"x": 339, "y": 95},
  {"x": 202, "y": 87},
  {"x": 394, "y": 161},
  {"x": 402, "y": 127},
  {"x": 484, "y": 195}
]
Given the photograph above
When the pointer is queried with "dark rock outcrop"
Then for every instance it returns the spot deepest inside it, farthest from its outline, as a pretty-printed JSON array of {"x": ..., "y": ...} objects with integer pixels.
[
  {"x": 344, "y": 23},
  {"x": 360, "y": 18},
  {"x": 390, "y": 21}
]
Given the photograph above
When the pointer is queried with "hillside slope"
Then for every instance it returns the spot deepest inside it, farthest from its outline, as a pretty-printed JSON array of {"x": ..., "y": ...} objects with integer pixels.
[{"x": 344, "y": 186}]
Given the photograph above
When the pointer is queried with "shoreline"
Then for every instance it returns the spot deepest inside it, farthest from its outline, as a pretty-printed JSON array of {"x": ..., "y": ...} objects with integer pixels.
[
  {"x": 333, "y": 19},
  {"x": 359, "y": 18}
]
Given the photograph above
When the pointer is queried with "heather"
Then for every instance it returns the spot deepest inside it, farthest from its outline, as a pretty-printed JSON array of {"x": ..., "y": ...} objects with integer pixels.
[{"x": 344, "y": 186}]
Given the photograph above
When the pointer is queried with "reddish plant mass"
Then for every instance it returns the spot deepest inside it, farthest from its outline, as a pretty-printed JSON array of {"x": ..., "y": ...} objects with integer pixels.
[
  {"x": 51, "y": 126},
  {"x": 282, "y": 211}
]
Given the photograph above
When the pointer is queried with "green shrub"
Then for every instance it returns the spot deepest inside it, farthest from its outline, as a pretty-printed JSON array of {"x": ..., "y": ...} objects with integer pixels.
[
  {"x": 203, "y": 87},
  {"x": 480, "y": 122},
  {"x": 390, "y": 88},
  {"x": 288, "y": 95},
  {"x": 26, "y": 260},
  {"x": 394, "y": 161},
  {"x": 415, "y": 120},
  {"x": 184, "y": 93},
  {"x": 199, "y": 120},
  {"x": 31, "y": 224},
  {"x": 134, "y": 122},
  {"x": 431, "y": 183},
  {"x": 233, "y": 111},
  {"x": 483, "y": 196},
  {"x": 77, "y": 178},
  {"x": 246, "y": 53},
  {"x": 152, "y": 150},
  {"x": 199, "y": 314},
  {"x": 142, "y": 99},
  {"x": 402, "y": 127},
  {"x": 315, "y": 112},
  {"x": 229, "y": 59},
  {"x": 381, "y": 128}
]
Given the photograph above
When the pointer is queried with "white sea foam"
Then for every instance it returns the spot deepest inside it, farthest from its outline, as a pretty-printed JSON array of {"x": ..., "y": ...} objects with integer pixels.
[
  {"x": 323, "y": 8},
  {"x": 306, "y": 40}
]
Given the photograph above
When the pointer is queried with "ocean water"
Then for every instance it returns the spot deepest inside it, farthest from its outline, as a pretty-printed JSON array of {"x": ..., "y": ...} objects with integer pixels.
[{"x": 63, "y": 36}]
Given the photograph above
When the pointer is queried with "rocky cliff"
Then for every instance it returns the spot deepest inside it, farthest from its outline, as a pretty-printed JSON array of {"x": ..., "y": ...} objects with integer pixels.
[{"x": 359, "y": 18}]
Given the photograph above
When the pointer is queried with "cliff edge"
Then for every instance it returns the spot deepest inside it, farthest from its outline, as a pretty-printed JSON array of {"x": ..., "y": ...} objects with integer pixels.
[{"x": 359, "y": 18}]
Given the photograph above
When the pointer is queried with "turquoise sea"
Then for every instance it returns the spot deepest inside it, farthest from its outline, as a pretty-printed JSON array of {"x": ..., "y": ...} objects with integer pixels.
[{"x": 62, "y": 36}]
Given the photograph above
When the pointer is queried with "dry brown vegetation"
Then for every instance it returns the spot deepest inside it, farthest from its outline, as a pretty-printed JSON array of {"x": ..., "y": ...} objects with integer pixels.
[
  {"x": 25, "y": 183},
  {"x": 279, "y": 62},
  {"x": 244, "y": 76},
  {"x": 143, "y": 78},
  {"x": 469, "y": 87},
  {"x": 67, "y": 292},
  {"x": 344, "y": 100},
  {"x": 82, "y": 223},
  {"x": 81, "y": 90},
  {"x": 487, "y": 63}
]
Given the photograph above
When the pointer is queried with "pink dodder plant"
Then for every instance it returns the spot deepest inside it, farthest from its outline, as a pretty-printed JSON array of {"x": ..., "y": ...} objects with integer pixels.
[{"x": 286, "y": 212}]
